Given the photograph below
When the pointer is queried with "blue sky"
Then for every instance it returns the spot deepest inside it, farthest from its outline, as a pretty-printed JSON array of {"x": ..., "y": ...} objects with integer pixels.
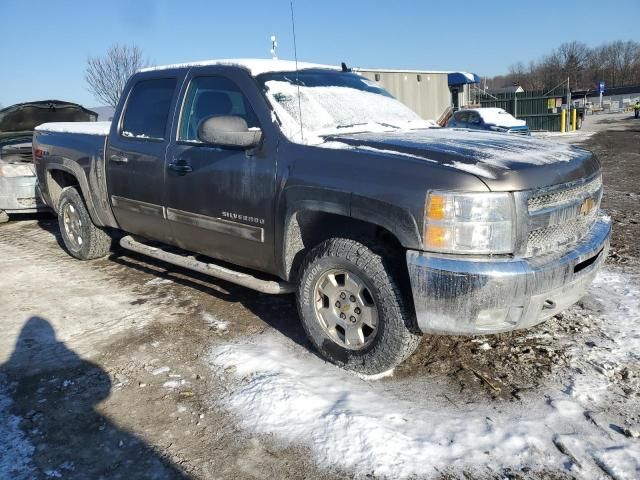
[{"x": 45, "y": 44}]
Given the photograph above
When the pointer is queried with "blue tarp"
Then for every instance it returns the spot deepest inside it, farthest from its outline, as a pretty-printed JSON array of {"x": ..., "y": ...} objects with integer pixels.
[{"x": 463, "y": 78}]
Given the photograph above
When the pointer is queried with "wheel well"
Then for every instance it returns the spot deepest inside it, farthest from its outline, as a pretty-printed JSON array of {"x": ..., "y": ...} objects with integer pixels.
[
  {"x": 57, "y": 180},
  {"x": 306, "y": 229}
]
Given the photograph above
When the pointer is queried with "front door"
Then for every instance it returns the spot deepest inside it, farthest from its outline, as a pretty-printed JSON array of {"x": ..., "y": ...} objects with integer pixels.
[
  {"x": 136, "y": 158},
  {"x": 220, "y": 200}
]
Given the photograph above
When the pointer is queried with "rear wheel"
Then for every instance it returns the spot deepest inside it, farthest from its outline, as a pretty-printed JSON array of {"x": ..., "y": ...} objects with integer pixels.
[
  {"x": 353, "y": 309},
  {"x": 81, "y": 237}
]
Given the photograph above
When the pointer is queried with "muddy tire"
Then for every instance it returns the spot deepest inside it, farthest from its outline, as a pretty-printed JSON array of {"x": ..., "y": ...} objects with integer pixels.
[
  {"x": 81, "y": 237},
  {"x": 353, "y": 309},
  {"x": 4, "y": 218}
]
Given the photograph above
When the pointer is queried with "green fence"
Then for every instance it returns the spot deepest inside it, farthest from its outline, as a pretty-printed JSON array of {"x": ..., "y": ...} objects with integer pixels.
[{"x": 541, "y": 110}]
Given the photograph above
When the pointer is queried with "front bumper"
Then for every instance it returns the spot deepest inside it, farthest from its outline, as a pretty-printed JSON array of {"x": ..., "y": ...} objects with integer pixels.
[
  {"x": 20, "y": 195},
  {"x": 458, "y": 295}
]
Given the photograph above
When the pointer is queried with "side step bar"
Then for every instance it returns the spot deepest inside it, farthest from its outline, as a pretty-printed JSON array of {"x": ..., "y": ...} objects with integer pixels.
[{"x": 211, "y": 269}]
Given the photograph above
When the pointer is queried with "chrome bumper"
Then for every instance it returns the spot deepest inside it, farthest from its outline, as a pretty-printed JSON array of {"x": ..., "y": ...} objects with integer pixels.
[
  {"x": 458, "y": 295},
  {"x": 20, "y": 195}
]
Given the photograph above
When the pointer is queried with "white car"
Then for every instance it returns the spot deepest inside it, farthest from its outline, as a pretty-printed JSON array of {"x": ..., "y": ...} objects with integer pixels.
[{"x": 494, "y": 119}]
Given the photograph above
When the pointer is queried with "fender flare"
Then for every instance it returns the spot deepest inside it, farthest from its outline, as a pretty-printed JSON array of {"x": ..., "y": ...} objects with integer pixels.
[
  {"x": 74, "y": 169},
  {"x": 397, "y": 221}
]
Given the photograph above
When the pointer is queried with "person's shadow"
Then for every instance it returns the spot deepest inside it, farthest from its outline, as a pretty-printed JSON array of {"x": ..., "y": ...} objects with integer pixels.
[{"x": 51, "y": 427}]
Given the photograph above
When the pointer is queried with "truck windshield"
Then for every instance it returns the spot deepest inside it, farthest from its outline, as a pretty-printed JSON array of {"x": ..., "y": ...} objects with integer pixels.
[{"x": 333, "y": 102}]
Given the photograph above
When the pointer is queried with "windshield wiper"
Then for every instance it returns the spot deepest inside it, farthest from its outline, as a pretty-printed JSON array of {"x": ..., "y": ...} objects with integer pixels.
[
  {"x": 382, "y": 124},
  {"x": 352, "y": 125},
  {"x": 388, "y": 125}
]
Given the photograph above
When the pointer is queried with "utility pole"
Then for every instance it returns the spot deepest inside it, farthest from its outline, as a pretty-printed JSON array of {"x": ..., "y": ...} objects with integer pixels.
[{"x": 569, "y": 106}]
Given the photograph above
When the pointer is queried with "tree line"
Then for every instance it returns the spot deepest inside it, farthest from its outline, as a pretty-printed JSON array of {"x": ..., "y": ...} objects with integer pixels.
[{"x": 616, "y": 63}]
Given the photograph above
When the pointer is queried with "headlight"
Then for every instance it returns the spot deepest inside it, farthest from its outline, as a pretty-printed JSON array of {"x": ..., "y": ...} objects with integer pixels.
[
  {"x": 479, "y": 223},
  {"x": 13, "y": 170}
]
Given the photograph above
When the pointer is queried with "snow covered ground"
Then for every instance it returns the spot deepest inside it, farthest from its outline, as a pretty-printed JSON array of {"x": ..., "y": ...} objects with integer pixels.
[
  {"x": 15, "y": 448},
  {"x": 366, "y": 427}
]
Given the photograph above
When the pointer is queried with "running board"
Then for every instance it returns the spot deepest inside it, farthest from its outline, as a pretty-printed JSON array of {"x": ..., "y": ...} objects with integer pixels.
[{"x": 211, "y": 269}]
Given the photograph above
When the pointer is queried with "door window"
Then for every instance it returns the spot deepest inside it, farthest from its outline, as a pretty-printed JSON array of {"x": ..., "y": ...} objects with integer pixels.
[
  {"x": 148, "y": 109},
  {"x": 474, "y": 118},
  {"x": 211, "y": 96},
  {"x": 461, "y": 117}
]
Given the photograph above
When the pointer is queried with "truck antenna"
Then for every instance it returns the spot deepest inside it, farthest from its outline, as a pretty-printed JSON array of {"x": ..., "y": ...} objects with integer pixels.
[{"x": 295, "y": 55}]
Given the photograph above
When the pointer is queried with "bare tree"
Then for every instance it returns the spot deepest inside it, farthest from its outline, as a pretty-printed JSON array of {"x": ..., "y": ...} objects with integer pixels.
[
  {"x": 108, "y": 74},
  {"x": 617, "y": 63}
]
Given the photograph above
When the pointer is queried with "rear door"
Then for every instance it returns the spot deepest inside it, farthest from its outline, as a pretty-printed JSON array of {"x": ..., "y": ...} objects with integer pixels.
[
  {"x": 474, "y": 121},
  {"x": 460, "y": 119},
  {"x": 136, "y": 156},
  {"x": 220, "y": 200}
]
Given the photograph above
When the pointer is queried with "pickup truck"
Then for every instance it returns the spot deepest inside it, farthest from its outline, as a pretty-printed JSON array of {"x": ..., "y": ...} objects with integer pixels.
[{"x": 293, "y": 177}]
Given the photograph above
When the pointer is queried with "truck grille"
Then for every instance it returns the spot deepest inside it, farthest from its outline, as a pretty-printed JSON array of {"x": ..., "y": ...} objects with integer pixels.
[
  {"x": 554, "y": 198},
  {"x": 562, "y": 215}
]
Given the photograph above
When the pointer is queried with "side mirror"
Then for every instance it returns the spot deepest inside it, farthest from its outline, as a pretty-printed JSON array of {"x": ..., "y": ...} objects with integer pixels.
[{"x": 228, "y": 131}]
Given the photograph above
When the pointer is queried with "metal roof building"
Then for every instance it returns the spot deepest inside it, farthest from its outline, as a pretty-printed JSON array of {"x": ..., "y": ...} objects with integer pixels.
[{"x": 430, "y": 93}]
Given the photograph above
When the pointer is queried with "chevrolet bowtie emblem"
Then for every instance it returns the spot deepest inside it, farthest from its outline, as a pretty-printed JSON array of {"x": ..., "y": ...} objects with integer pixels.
[{"x": 587, "y": 206}]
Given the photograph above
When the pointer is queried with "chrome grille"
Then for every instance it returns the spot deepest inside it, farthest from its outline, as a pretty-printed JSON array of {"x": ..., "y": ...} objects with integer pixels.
[
  {"x": 554, "y": 198},
  {"x": 561, "y": 215}
]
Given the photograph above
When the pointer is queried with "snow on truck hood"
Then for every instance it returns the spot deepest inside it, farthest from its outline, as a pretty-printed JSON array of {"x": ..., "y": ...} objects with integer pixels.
[
  {"x": 482, "y": 153},
  {"x": 86, "y": 128}
]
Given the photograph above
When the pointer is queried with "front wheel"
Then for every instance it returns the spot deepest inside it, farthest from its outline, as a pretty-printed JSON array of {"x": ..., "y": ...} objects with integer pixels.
[
  {"x": 83, "y": 239},
  {"x": 353, "y": 309},
  {"x": 4, "y": 218}
]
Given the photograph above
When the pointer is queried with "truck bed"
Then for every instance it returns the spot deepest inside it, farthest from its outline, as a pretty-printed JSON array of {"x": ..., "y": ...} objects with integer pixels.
[
  {"x": 86, "y": 128},
  {"x": 77, "y": 148}
]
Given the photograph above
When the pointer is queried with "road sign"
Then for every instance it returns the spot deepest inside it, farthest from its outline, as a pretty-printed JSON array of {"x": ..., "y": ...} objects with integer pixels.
[{"x": 601, "y": 87}]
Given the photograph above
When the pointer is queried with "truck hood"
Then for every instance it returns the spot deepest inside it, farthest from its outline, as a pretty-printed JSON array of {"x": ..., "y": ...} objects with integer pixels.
[
  {"x": 24, "y": 117},
  {"x": 503, "y": 162}
]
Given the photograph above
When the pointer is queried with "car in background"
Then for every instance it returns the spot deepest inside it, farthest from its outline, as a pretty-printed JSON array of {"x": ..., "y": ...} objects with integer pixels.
[
  {"x": 19, "y": 192},
  {"x": 494, "y": 119}
]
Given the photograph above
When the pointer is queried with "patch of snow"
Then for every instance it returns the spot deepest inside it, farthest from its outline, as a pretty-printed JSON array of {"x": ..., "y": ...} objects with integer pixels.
[
  {"x": 499, "y": 117},
  {"x": 479, "y": 147},
  {"x": 617, "y": 299},
  {"x": 174, "y": 384},
  {"x": 368, "y": 428},
  {"x": 159, "y": 281},
  {"x": 215, "y": 323},
  {"x": 256, "y": 66},
  {"x": 160, "y": 370},
  {"x": 474, "y": 169},
  {"x": 86, "y": 128},
  {"x": 15, "y": 449}
]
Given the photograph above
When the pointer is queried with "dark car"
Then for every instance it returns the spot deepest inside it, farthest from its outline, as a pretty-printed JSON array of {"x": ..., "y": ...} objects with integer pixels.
[
  {"x": 493, "y": 119},
  {"x": 18, "y": 186}
]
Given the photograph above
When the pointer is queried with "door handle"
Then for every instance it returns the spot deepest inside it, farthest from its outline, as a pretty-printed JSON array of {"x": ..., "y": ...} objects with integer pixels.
[
  {"x": 118, "y": 159},
  {"x": 181, "y": 167}
]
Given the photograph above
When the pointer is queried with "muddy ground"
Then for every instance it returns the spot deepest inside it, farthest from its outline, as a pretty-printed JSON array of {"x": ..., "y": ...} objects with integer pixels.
[{"x": 105, "y": 366}]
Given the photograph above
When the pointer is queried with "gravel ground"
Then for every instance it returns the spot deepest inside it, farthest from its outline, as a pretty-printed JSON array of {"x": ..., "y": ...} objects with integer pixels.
[{"x": 130, "y": 368}]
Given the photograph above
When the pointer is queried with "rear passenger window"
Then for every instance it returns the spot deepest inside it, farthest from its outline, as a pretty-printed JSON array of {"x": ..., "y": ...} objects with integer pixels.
[
  {"x": 148, "y": 109},
  {"x": 212, "y": 96},
  {"x": 462, "y": 117}
]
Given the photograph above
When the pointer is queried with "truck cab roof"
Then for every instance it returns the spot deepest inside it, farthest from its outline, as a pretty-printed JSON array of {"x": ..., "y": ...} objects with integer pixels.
[{"x": 256, "y": 66}]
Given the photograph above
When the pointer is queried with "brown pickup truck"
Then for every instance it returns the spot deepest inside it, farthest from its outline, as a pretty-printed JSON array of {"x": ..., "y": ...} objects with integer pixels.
[{"x": 312, "y": 179}]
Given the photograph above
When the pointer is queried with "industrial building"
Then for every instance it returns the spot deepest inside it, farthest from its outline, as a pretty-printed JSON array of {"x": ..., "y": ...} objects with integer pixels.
[{"x": 432, "y": 94}]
